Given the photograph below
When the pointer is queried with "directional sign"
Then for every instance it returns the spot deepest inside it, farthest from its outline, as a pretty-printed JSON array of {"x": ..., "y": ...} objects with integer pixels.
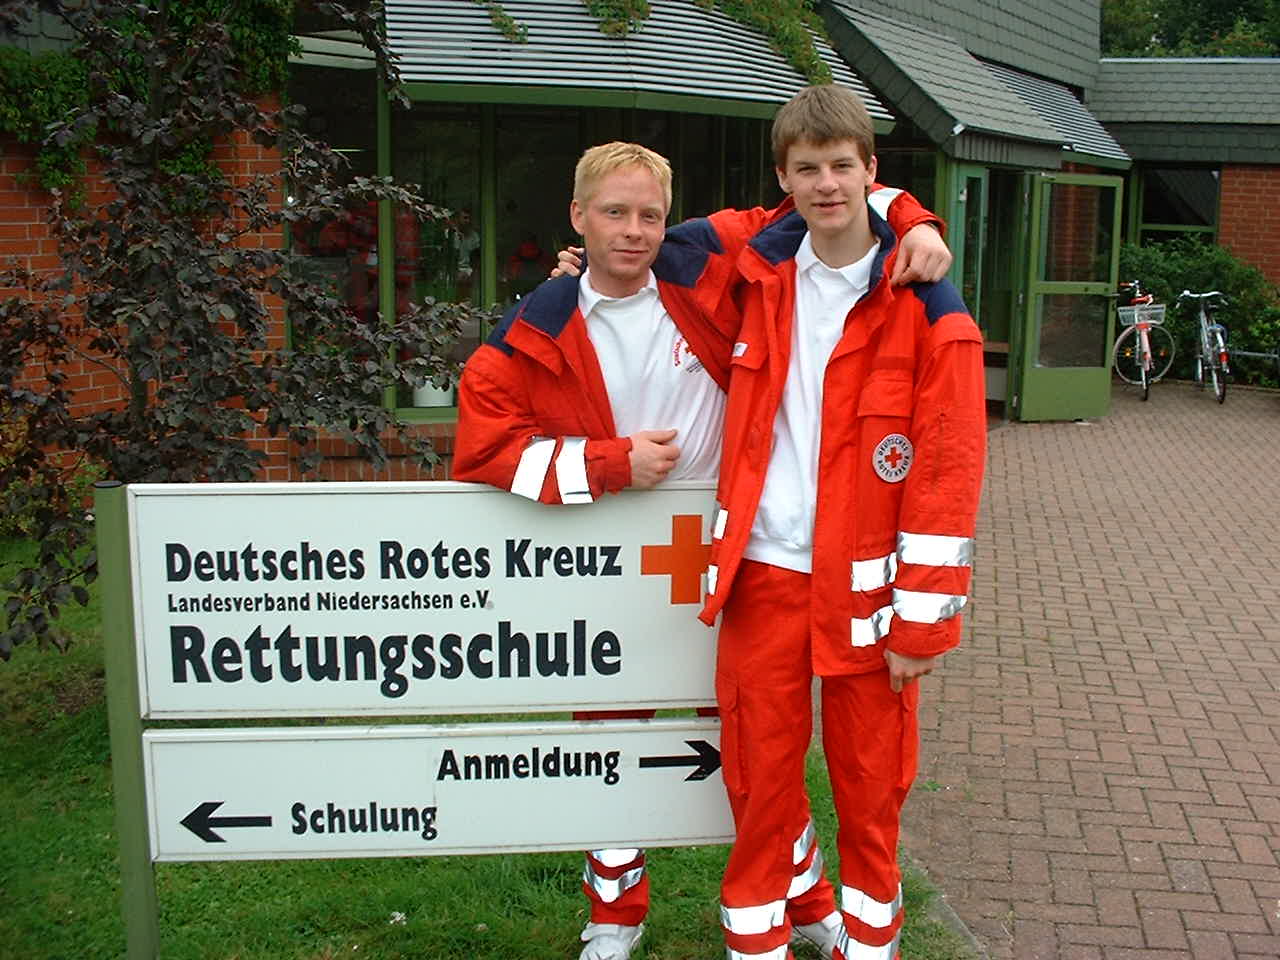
[
  {"x": 422, "y": 790},
  {"x": 416, "y": 598}
]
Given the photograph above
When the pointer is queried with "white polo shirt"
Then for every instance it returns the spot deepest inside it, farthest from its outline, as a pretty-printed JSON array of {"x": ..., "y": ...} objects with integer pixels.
[
  {"x": 782, "y": 532},
  {"x": 653, "y": 379}
]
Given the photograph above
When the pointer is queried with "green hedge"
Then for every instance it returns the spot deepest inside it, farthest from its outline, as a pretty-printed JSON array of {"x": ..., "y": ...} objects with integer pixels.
[{"x": 1251, "y": 315}]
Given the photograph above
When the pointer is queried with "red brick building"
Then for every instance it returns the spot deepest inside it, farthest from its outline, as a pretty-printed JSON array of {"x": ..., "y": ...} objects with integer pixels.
[{"x": 1205, "y": 137}]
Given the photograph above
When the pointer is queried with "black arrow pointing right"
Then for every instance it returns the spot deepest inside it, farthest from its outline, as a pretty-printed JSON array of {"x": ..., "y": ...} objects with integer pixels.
[
  {"x": 706, "y": 761},
  {"x": 201, "y": 822}
]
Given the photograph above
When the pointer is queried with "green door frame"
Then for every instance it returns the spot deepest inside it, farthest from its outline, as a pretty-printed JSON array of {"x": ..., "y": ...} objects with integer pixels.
[
  {"x": 968, "y": 254},
  {"x": 1065, "y": 393}
]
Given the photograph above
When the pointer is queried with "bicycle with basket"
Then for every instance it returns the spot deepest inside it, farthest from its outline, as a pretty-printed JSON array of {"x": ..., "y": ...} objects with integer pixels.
[{"x": 1143, "y": 352}]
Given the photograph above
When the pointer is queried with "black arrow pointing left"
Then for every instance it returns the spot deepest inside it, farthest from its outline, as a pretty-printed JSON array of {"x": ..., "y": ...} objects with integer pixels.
[
  {"x": 706, "y": 761},
  {"x": 201, "y": 822}
]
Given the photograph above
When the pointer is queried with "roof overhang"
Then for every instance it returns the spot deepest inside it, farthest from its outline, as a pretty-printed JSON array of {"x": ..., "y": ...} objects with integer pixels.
[
  {"x": 685, "y": 58},
  {"x": 1085, "y": 140},
  {"x": 950, "y": 95}
]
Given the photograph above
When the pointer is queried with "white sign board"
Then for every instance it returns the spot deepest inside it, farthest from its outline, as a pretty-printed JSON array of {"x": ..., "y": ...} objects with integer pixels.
[
  {"x": 421, "y": 790},
  {"x": 416, "y": 598}
]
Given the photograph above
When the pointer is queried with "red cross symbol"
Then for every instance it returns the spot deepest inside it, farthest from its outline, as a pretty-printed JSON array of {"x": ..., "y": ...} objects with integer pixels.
[
  {"x": 893, "y": 457},
  {"x": 684, "y": 559}
]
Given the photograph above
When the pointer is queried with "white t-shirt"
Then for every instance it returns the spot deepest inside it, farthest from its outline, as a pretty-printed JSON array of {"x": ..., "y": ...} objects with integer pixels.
[
  {"x": 653, "y": 379},
  {"x": 782, "y": 532}
]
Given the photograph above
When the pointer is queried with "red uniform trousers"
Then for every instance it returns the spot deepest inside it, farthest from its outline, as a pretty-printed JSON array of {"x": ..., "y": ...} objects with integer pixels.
[
  {"x": 763, "y": 682},
  {"x": 616, "y": 882}
]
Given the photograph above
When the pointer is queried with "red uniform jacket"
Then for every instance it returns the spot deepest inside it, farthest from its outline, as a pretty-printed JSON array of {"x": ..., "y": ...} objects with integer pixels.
[
  {"x": 902, "y": 448},
  {"x": 533, "y": 413}
]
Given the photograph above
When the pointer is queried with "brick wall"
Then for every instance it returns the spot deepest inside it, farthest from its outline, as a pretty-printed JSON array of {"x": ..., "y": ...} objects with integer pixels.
[
  {"x": 25, "y": 238},
  {"x": 1249, "y": 216}
]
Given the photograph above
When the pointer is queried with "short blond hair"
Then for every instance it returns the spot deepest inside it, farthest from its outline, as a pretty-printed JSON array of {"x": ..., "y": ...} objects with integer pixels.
[
  {"x": 821, "y": 115},
  {"x": 598, "y": 162}
]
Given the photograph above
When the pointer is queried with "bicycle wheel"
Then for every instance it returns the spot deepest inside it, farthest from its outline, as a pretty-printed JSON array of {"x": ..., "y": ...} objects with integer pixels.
[
  {"x": 1220, "y": 367},
  {"x": 1161, "y": 341},
  {"x": 1125, "y": 357}
]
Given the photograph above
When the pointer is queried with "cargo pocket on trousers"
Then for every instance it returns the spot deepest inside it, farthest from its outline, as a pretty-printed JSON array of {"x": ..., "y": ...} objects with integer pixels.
[
  {"x": 730, "y": 735},
  {"x": 909, "y": 704}
]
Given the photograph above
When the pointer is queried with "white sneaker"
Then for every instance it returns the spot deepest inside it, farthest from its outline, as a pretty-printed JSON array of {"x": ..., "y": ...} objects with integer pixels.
[
  {"x": 609, "y": 941},
  {"x": 822, "y": 934}
]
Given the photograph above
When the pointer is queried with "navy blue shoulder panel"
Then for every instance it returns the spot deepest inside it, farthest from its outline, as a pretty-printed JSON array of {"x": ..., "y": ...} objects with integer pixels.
[
  {"x": 684, "y": 253},
  {"x": 939, "y": 299},
  {"x": 548, "y": 307},
  {"x": 781, "y": 239},
  {"x": 498, "y": 336}
]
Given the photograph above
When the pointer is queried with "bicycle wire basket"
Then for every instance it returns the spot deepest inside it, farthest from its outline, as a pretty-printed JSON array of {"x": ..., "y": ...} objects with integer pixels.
[{"x": 1141, "y": 312}]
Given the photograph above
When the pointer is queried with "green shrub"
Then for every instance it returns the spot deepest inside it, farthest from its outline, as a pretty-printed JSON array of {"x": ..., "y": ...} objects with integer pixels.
[{"x": 1251, "y": 314}]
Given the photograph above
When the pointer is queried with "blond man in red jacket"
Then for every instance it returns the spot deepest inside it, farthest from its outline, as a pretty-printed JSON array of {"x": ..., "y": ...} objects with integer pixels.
[{"x": 616, "y": 379}]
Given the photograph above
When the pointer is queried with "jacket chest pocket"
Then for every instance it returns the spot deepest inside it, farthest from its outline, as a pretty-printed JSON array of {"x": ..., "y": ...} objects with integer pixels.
[{"x": 884, "y": 425}]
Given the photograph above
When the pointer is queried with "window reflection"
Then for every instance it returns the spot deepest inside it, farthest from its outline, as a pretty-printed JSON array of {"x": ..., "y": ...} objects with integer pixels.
[{"x": 437, "y": 150}]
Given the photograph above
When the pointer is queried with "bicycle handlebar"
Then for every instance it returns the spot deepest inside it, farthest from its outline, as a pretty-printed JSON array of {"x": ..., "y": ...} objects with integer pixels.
[{"x": 1187, "y": 294}]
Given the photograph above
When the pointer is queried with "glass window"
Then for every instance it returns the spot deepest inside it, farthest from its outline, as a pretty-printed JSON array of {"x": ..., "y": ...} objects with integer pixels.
[
  {"x": 1073, "y": 330},
  {"x": 537, "y": 151},
  {"x": 1078, "y": 245},
  {"x": 1180, "y": 196},
  {"x": 436, "y": 148},
  {"x": 341, "y": 254}
]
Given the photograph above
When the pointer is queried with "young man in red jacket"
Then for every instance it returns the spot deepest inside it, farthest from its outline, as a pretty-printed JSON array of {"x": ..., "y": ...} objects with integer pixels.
[
  {"x": 854, "y": 444},
  {"x": 616, "y": 379}
]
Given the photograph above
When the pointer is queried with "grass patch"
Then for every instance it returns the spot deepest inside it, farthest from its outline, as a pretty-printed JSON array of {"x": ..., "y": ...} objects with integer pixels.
[{"x": 59, "y": 876}]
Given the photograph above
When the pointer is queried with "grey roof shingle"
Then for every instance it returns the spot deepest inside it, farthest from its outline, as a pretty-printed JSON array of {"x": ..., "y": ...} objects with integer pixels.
[
  {"x": 681, "y": 50},
  {"x": 1184, "y": 90},
  {"x": 1184, "y": 110},
  {"x": 1079, "y": 128},
  {"x": 934, "y": 80},
  {"x": 1052, "y": 38}
]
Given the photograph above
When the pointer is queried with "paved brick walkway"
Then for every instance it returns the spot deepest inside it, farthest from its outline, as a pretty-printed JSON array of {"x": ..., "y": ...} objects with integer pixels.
[{"x": 1100, "y": 775}]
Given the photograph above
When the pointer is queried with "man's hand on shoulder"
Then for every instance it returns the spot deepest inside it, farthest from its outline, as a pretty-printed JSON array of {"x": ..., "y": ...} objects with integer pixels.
[
  {"x": 568, "y": 262},
  {"x": 653, "y": 454},
  {"x": 924, "y": 257}
]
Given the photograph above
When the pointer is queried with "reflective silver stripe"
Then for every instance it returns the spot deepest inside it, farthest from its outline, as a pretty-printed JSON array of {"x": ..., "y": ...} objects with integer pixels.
[
  {"x": 615, "y": 857},
  {"x": 777, "y": 953},
  {"x": 609, "y": 889},
  {"x": 722, "y": 520},
  {"x": 872, "y": 912},
  {"x": 873, "y": 574},
  {"x": 713, "y": 574},
  {"x": 803, "y": 842},
  {"x": 935, "y": 551},
  {"x": 881, "y": 199},
  {"x": 532, "y": 469},
  {"x": 856, "y": 950},
  {"x": 571, "y": 471},
  {"x": 802, "y": 883},
  {"x": 920, "y": 607},
  {"x": 739, "y": 348},
  {"x": 868, "y": 631},
  {"x": 748, "y": 920}
]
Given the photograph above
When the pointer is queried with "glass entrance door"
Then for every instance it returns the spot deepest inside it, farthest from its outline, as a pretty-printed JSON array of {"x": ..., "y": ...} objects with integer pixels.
[{"x": 1068, "y": 321}]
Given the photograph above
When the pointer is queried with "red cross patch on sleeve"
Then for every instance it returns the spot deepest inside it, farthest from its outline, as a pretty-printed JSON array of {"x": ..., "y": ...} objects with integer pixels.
[{"x": 892, "y": 458}]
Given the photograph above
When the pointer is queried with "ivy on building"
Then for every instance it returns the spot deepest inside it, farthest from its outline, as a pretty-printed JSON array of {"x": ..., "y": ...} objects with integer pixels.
[
  {"x": 37, "y": 93},
  {"x": 790, "y": 26},
  {"x": 619, "y": 17},
  {"x": 504, "y": 23}
]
